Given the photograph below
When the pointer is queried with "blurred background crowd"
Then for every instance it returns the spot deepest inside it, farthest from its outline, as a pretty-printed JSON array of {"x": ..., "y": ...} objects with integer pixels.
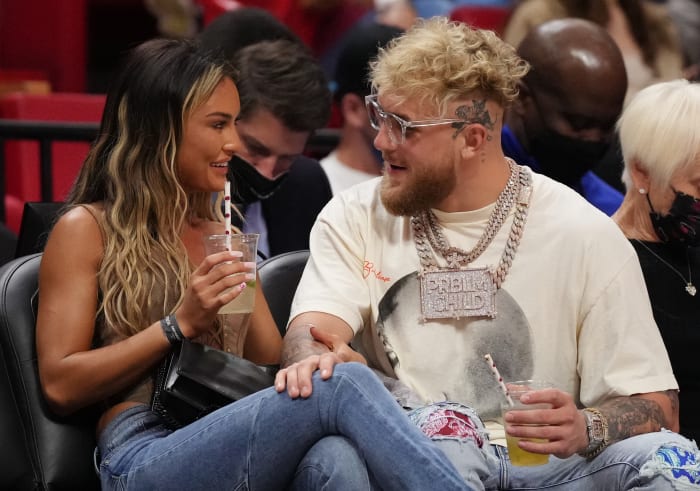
[{"x": 75, "y": 46}]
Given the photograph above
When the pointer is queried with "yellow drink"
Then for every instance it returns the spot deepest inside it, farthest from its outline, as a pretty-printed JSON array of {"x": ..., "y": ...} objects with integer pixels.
[
  {"x": 517, "y": 455},
  {"x": 521, "y": 457},
  {"x": 243, "y": 303}
]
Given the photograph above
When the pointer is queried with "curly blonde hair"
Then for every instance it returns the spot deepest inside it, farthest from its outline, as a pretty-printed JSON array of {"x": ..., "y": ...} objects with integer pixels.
[
  {"x": 438, "y": 61},
  {"x": 131, "y": 170}
]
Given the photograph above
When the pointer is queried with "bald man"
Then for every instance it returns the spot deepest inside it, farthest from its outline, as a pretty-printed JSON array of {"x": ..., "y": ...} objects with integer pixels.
[{"x": 563, "y": 122}]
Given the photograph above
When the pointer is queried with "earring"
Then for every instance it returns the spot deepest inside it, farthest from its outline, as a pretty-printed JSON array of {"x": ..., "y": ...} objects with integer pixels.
[{"x": 642, "y": 191}]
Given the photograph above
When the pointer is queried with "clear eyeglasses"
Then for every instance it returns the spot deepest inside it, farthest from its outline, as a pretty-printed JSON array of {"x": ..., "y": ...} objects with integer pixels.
[{"x": 396, "y": 126}]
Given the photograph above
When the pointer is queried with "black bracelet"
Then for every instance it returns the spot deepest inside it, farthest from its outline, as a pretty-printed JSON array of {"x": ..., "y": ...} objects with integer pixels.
[{"x": 171, "y": 329}]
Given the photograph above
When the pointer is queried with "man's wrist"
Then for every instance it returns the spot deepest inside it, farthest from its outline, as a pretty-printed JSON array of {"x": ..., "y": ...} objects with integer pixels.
[{"x": 597, "y": 431}]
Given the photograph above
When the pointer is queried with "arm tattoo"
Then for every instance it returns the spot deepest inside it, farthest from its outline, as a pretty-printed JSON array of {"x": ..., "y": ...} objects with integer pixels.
[
  {"x": 298, "y": 344},
  {"x": 629, "y": 416},
  {"x": 673, "y": 397},
  {"x": 477, "y": 113}
]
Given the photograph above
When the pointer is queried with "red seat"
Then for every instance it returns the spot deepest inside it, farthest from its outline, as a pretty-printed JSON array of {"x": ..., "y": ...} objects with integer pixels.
[
  {"x": 482, "y": 16},
  {"x": 22, "y": 172}
]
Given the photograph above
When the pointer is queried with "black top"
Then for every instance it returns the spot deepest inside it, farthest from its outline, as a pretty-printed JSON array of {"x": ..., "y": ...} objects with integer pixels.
[{"x": 677, "y": 314}]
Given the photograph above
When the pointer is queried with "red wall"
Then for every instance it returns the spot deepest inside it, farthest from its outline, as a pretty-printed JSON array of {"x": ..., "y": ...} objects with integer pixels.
[{"x": 46, "y": 35}]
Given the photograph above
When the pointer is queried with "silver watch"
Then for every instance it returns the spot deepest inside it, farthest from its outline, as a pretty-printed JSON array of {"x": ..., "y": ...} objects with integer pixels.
[{"x": 597, "y": 428}]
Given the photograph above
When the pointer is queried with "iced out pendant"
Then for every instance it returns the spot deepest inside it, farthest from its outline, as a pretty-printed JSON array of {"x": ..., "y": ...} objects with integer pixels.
[
  {"x": 458, "y": 293},
  {"x": 690, "y": 288}
]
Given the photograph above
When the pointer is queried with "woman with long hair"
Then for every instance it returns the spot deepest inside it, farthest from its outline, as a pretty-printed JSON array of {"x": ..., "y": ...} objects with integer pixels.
[{"x": 124, "y": 277}]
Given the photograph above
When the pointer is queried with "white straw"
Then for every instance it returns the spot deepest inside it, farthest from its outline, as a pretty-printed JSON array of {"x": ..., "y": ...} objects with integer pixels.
[
  {"x": 498, "y": 378},
  {"x": 227, "y": 212}
]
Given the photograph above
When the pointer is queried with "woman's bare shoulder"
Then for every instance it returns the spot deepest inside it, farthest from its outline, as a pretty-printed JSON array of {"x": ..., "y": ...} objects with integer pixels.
[{"x": 77, "y": 231}]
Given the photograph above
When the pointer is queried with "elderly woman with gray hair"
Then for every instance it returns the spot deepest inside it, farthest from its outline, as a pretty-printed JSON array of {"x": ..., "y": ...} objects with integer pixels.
[{"x": 660, "y": 215}]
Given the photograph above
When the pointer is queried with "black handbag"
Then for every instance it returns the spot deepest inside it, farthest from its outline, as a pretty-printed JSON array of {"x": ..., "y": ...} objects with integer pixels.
[{"x": 194, "y": 380}]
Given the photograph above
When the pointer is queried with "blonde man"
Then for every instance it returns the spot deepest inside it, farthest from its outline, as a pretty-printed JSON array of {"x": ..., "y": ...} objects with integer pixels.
[{"x": 457, "y": 252}]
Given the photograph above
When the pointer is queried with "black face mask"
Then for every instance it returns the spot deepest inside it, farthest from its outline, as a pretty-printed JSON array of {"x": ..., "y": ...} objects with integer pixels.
[
  {"x": 566, "y": 159},
  {"x": 378, "y": 155},
  {"x": 248, "y": 185},
  {"x": 681, "y": 225}
]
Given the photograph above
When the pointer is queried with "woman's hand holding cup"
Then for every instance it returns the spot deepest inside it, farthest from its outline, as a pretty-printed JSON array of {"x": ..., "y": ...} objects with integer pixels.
[{"x": 218, "y": 280}]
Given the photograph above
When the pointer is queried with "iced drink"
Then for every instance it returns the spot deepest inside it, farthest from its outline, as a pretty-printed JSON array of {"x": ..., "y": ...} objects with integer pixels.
[
  {"x": 248, "y": 245},
  {"x": 517, "y": 455}
]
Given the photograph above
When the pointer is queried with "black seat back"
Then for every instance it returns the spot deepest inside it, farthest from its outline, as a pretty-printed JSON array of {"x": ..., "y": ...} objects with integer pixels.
[
  {"x": 15, "y": 470},
  {"x": 40, "y": 451},
  {"x": 280, "y": 276},
  {"x": 37, "y": 220}
]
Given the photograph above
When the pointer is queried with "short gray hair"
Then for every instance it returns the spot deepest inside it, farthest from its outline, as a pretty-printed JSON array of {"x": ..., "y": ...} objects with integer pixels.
[{"x": 659, "y": 130}]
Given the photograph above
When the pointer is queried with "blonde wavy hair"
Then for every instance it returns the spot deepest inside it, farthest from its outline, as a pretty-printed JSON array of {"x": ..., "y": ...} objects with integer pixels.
[
  {"x": 131, "y": 170},
  {"x": 438, "y": 61}
]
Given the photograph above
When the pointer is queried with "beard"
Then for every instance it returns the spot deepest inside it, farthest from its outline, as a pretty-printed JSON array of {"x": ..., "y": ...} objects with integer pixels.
[{"x": 424, "y": 189}]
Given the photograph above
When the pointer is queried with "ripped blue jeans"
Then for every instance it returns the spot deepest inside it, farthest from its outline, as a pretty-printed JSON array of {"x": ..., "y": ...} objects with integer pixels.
[
  {"x": 348, "y": 435},
  {"x": 654, "y": 461}
]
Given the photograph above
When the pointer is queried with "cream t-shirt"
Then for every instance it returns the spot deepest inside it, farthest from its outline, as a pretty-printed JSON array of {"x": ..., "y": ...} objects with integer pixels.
[{"x": 573, "y": 309}]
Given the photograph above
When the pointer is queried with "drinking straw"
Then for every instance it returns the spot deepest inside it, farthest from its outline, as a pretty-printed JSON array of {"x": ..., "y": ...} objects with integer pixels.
[
  {"x": 499, "y": 379},
  {"x": 227, "y": 213}
]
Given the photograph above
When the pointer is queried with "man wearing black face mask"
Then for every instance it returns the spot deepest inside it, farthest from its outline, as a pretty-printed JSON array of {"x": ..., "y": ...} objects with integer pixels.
[
  {"x": 284, "y": 97},
  {"x": 563, "y": 122}
]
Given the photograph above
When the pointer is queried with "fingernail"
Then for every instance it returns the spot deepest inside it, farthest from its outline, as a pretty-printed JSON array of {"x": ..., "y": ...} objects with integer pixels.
[
  {"x": 249, "y": 276},
  {"x": 236, "y": 253},
  {"x": 242, "y": 286},
  {"x": 249, "y": 265},
  {"x": 324, "y": 372}
]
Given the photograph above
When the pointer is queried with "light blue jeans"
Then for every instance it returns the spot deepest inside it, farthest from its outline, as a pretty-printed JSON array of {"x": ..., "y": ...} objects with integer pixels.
[
  {"x": 348, "y": 435},
  {"x": 654, "y": 461}
]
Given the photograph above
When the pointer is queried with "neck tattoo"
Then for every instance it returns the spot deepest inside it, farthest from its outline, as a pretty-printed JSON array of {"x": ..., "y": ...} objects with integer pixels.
[
  {"x": 689, "y": 287},
  {"x": 459, "y": 291}
]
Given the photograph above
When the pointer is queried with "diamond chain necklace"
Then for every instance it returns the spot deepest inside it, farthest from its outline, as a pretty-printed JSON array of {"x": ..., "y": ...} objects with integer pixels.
[
  {"x": 457, "y": 257},
  {"x": 427, "y": 231},
  {"x": 689, "y": 287}
]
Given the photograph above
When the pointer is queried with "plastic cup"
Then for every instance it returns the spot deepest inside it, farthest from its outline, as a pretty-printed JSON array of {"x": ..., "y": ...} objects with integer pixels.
[
  {"x": 517, "y": 455},
  {"x": 248, "y": 245}
]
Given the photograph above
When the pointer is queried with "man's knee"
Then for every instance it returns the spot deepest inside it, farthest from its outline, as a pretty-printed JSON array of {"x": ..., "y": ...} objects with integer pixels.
[
  {"x": 660, "y": 460},
  {"x": 459, "y": 433},
  {"x": 674, "y": 459},
  {"x": 450, "y": 421}
]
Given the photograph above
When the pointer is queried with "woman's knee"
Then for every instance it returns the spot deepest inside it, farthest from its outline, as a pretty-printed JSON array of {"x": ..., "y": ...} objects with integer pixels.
[
  {"x": 334, "y": 462},
  {"x": 358, "y": 372}
]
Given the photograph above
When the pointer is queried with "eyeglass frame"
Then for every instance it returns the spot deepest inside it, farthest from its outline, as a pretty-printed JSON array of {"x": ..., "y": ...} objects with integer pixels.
[{"x": 385, "y": 115}]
